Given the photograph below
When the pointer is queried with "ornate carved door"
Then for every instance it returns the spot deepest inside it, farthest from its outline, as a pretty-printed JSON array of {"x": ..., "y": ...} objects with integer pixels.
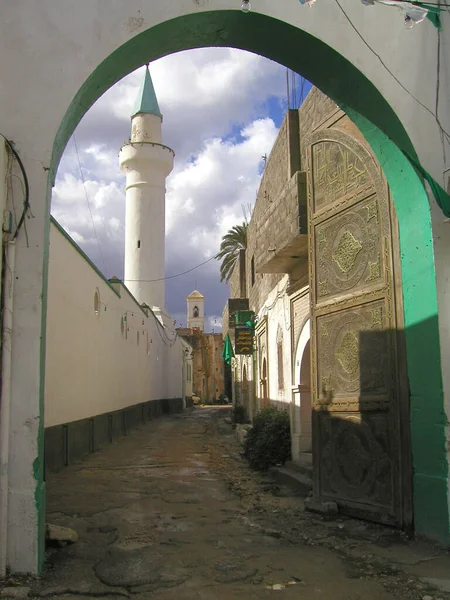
[{"x": 360, "y": 393}]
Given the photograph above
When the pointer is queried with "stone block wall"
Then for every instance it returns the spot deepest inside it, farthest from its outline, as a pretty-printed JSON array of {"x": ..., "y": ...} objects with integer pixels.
[
  {"x": 281, "y": 204},
  {"x": 277, "y": 216}
]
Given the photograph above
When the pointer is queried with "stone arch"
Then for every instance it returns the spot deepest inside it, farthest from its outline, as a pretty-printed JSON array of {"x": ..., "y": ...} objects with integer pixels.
[
  {"x": 337, "y": 77},
  {"x": 369, "y": 110},
  {"x": 280, "y": 38}
]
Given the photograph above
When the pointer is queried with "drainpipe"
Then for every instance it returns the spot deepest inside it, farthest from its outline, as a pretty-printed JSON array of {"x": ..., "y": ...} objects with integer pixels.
[{"x": 8, "y": 297}]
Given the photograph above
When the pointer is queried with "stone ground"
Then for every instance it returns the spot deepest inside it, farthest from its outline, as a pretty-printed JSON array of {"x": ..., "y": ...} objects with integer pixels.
[{"x": 173, "y": 512}]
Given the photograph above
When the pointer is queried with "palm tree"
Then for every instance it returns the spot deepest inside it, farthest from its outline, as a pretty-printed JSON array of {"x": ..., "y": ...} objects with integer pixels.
[{"x": 232, "y": 242}]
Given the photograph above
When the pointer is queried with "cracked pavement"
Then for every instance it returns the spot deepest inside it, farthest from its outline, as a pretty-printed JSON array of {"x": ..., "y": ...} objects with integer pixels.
[{"x": 173, "y": 512}]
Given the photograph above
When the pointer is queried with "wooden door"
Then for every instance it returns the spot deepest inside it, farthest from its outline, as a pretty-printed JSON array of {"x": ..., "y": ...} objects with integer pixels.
[{"x": 361, "y": 447}]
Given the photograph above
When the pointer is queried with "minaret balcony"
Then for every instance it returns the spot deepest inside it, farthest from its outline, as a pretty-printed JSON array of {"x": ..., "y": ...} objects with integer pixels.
[{"x": 138, "y": 155}]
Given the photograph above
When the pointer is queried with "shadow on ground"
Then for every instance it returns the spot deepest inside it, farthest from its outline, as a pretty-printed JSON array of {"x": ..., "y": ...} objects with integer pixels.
[{"x": 172, "y": 511}]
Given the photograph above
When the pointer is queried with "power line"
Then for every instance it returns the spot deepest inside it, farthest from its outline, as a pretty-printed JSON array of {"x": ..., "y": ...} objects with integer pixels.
[
  {"x": 173, "y": 276},
  {"x": 87, "y": 200},
  {"x": 26, "y": 187},
  {"x": 446, "y": 133}
]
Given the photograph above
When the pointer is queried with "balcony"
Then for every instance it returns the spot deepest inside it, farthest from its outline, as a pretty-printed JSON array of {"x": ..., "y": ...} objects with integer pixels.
[{"x": 282, "y": 231}]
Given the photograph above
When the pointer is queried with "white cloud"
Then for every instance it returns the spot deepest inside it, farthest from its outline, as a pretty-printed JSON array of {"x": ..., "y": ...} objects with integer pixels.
[
  {"x": 214, "y": 103},
  {"x": 214, "y": 323},
  {"x": 206, "y": 197}
]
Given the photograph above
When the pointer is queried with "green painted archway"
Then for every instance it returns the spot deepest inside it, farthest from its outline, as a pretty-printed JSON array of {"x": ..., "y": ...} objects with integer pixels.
[{"x": 364, "y": 104}]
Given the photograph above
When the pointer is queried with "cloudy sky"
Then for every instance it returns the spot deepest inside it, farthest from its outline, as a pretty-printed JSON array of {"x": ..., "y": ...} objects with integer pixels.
[{"x": 222, "y": 109}]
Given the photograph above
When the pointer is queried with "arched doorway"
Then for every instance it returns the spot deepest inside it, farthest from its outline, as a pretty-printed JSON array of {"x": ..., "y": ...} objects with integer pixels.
[
  {"x": 301, "y": 405},
  {"x": 391, "y": 144},
  {"x": 305, "y": 401},
  {"x": 117, "y": 44}
]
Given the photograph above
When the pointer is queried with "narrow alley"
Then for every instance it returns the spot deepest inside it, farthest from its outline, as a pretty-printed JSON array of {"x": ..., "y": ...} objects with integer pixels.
[{"x": 173, "y": 512}]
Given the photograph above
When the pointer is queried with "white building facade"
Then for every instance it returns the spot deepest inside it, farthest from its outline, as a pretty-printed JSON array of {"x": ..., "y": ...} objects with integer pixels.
[{"x": 196, "y": 311}]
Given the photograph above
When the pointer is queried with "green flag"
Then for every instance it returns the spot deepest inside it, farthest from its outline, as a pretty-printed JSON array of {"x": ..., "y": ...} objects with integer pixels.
[{"x": 227, "y": 352}]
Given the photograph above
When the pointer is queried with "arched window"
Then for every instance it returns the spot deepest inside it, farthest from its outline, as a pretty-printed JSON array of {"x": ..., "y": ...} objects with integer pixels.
[
  {"x": 97, "y": 303},
  {"x": 195, "y": 311},
  {"x": 280, "y": 359}
]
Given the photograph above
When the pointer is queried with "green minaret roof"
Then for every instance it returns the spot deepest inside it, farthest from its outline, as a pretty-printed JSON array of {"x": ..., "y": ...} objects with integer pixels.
[{"x": 146, "y": 101}]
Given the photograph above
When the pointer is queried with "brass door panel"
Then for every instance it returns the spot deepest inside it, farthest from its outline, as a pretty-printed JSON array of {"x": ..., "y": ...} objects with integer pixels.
[{"x": 360, "y": 397}]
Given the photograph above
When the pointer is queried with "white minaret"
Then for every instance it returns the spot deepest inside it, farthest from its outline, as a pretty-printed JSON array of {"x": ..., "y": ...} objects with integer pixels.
[
  {"x": 196, "y": 310},
  {"x": 146, "y": 162}
]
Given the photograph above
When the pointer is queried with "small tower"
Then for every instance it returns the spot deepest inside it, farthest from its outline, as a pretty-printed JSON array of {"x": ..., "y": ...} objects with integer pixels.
[
  {"x": 196, "y": 311},
  {"x": 145, "y": 162}
]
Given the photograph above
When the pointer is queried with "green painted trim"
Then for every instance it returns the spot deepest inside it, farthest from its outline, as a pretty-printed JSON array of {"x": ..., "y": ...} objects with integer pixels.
[
  {"x": 141, "y": 308},
  {"x": 39, "y": 462},
  {"x": 427, "y": 412},
  {"x": 82, "y": 254},
  {"x": 108, "y": 282},
  {"x": 146, "y": 101},
  {"x": 322, "y": 65},
  {"x": 258, "y": 33},
  {"x": 347, "y": 86}
]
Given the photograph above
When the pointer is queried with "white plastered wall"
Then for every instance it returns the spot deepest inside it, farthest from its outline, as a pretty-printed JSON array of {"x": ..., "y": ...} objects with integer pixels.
[
  {"x": 199, "y": 321},
  {"x": 106, "y": 360},
  {"x": 441, "y": 240},
  {"x": 277, "y": 310}
]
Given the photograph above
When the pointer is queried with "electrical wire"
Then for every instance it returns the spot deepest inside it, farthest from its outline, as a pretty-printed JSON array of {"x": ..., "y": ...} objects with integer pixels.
[
  {"x": 438, "y": 83},
  {"x": 447, "y": 134},
  {"x": 87, "y": 200},
  {"x": 26, "y": 201},
  {"x": 173, "y": 276},
  {"x": 130, "y": 314},
  {"x": 171, "y": 342}
]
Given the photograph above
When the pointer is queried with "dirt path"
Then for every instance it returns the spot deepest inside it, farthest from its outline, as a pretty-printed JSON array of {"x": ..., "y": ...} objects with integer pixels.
[{"x": 172, "y": 512}]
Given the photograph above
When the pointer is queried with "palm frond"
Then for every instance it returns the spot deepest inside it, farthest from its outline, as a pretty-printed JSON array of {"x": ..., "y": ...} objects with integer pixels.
[{"x": 232, "y": 242}]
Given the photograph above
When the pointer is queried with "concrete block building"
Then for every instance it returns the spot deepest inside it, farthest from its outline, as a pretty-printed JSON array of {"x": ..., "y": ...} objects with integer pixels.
[{"x": 321, "y": 274}]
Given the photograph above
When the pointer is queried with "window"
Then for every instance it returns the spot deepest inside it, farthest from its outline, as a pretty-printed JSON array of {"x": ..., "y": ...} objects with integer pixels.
[
  {"x": 252, "y": 270},
  {"x": 97, "y": 303},
  {"x": 195, "y": 311},
  {"x": 280, "y": 359},
  {"x": 139, "y": 243},
  {"x": 280, "y": 366}
]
